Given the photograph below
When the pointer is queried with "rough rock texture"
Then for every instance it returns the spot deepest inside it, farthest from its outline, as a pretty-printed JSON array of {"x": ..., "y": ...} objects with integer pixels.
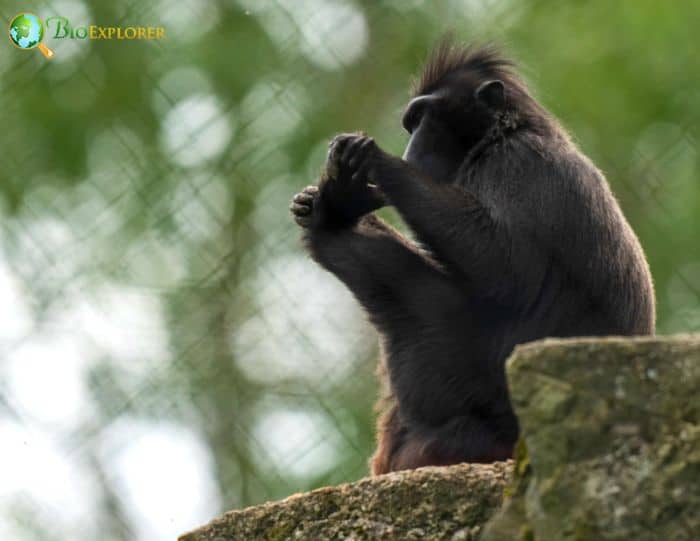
[
  {"x": 610, "y": 450},
  {"x": 430, "y": 503},
  {"x": 611, "y": 441}
]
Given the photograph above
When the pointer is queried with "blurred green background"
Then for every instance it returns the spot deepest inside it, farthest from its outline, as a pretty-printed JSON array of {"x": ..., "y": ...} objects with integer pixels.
[{"x": 167, "y": 351}]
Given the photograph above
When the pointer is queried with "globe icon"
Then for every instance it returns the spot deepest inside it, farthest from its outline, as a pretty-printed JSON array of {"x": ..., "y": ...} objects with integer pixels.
[{"x": 26, "y": 32}]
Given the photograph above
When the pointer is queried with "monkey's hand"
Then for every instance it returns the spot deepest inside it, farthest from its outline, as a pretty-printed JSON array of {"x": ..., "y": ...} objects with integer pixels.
[
  {"x": 350, "y": 194},
  {"x": 361, "y": 158},
  {"x": 342, "y": 196}
]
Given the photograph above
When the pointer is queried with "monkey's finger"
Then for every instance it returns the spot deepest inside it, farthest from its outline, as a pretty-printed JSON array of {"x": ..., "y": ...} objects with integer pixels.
[
  {"x": 333, "y": 158},
  {"x": 337, "y": 144},
  {"x": 310, "y": 189},
  {"x": 361, "y": 173},
  {"x": 332, "y": 168},
  {"x": 360, "y": 152},
  {"x": 374, "y": 189},
  {"x": 303, "y": 221},
  {"x": 351, "y": 149},
  {"x": 303, "y": 197},
  {"x": 341, "y": 137},
  {"x": 376, "y": 194},
  {"x": 300, "y": 210}
]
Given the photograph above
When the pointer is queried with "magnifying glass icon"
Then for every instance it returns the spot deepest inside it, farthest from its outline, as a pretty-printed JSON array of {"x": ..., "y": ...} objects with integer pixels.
[{"x": 26, "y": 32}]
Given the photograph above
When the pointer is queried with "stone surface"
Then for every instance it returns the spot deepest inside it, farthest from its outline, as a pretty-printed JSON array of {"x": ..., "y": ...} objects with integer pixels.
[
  {"x": 610, "y": 451},
  {"x": 450, "y": 504},
  {"x": 611, "y": 441}
]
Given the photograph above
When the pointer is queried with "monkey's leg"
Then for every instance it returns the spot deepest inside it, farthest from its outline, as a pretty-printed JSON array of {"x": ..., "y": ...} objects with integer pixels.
[
  {"x": 461, "y": 439},
  {"x": 390, "y": 436},
  {"x": 404, "y": 446},
  {"x": 408, "y": 298},
  {"x": 456, "y": 227},
  {"x": 386, "y": 273}
]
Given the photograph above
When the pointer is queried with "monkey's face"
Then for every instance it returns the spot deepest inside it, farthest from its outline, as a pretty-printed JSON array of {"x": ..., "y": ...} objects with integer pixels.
[
  {"x": 433, "y": 147},
  {"x": 444, "y": 125}
]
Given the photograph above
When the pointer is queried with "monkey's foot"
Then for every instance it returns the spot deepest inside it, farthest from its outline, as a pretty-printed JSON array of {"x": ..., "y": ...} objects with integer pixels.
[{"x": 302, "y": 206}]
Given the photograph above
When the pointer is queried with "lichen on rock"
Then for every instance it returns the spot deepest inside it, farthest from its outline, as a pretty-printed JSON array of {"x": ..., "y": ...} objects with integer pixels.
[
  {"x": 450, "y": 504},
  {"x": 611, "y": 429}
]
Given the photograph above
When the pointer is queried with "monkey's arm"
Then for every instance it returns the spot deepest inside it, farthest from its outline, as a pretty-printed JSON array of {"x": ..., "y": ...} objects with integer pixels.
[
  {"x": 388, "y": 275},
  {"x": 458, "y": 229},
  {"x": 453, "y": 224}
]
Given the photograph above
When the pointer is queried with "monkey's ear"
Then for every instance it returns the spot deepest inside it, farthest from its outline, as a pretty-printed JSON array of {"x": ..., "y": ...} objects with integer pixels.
[{"x": 492, "y": 93}]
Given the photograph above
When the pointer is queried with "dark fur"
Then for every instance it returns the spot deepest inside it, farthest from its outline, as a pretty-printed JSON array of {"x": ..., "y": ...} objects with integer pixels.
[
  {"x": 447, "y": 59},
  {"x": 520, "y": 239}
]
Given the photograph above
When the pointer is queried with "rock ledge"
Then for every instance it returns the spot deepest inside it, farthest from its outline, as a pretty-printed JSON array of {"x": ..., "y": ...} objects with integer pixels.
[
  {"x": 449, "y": 503},
  {"x": 610, "y": 451}
]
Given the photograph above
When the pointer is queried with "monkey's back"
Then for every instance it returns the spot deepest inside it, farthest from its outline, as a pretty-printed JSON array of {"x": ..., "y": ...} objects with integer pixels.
[{"x": 588, "y": 275}]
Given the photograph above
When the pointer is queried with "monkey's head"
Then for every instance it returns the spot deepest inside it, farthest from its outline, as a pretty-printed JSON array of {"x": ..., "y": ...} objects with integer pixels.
[{"x": 461, "y": 96}]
